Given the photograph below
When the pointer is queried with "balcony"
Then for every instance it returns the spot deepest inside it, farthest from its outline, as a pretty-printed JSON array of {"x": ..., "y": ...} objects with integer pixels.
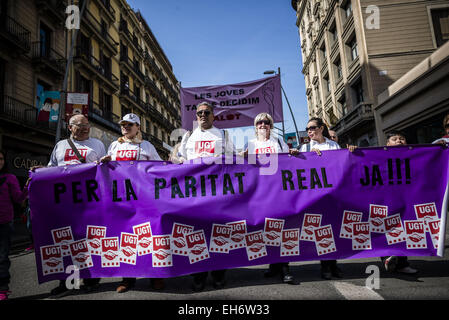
[
  {"x": 129, "y": 96},
  {"x": 94, "y": 27},
  {"x": 132, "y": 68},
  {"x": 149, "y": 84},
  {"x": 47, "y": 60},
  {"x": 106, "y": 10},
  {"x": 105, "y": 117},
  {"x": 152, "y": 64},
  {"x": 97, "y": 69},
  {"x": 53, "y": 10},
  {"x": 158, "y": 117},
  {"x": 24, "y": 114},
  {"x": 348, "y": 27},
  {"x": 359, "y": 116},
  {"x": 13, "y": 35},
  {"x": 132, "y": 39}
]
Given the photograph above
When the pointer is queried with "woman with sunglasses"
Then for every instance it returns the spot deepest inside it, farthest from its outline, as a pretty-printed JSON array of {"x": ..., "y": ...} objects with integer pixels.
[
  {"x": 131, "y": 146},
  {"x": 264, "y": 143},
  {"x": 320, "y": 141}
]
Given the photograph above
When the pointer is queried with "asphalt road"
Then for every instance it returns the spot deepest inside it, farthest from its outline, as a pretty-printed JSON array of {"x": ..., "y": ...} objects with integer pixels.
[{"x": 432, "y": 282}]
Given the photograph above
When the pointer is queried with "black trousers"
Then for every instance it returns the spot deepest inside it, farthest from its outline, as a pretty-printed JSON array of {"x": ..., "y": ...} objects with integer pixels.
[
  {"x": 217, "y": 275},
  {"x": 5, "y": 246},
  {"x": 327, "y": 265}
]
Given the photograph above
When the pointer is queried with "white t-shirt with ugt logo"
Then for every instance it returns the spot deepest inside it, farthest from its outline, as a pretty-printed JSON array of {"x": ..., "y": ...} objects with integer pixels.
[
  {"x": 205, "y": 143},
  {"x": 91, "y": 149},
  {"x": 127, "y": 151},
  {"x": 272, "y": 145}
]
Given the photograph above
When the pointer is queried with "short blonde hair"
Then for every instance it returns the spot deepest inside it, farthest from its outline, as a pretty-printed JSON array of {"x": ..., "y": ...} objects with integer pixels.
[{"x": 262, "y": 116}]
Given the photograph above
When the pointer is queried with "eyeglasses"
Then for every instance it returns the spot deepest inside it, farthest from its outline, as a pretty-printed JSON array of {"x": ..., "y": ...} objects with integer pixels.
[
  {"x": 205, "y": 112},
  {"x": 313, "y": 128},
  {"x": 82, "y": 126},
  {"x": 266, "y": 122}
]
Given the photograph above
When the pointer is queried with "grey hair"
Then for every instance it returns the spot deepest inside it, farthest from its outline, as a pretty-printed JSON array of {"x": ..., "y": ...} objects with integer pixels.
[
  {"x": 207, "y": 104},
  {"x": 262, "y": 116},
  {"x": 71, "y": 120}
]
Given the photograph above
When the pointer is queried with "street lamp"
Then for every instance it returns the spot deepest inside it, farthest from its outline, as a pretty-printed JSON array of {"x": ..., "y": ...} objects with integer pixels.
[{"x": 288, "y": 103}]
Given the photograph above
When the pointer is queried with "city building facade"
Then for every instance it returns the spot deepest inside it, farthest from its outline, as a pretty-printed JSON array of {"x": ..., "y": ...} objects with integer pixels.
[
  {"x": 116, "y": 59},
  {"x": 354, "y": 50},
  {"x": 32, "y": 59}
]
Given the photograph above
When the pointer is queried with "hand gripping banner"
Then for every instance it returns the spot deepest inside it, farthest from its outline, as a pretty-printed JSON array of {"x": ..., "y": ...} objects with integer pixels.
[
  {"x": 157, "y": 219},
  {"x": 236, "y": 105}
]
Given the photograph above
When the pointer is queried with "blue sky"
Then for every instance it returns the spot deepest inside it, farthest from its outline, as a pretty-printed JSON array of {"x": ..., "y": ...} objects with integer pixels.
[{"x": 211, "y": 42}]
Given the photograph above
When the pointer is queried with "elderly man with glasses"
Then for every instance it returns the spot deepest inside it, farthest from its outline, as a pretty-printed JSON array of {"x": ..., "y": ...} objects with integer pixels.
[
  {"x": 206, "y": 141},
  {"x": 78, "y": 148},
  {"x": 84, "y": 148}
]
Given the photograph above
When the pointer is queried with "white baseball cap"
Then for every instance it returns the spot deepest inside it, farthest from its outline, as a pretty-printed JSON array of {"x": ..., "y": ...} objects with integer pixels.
[{"x": 130, "y": 117}]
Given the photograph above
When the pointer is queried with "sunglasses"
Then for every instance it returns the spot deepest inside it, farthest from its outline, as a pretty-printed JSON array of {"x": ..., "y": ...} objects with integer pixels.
[
  {"x": 205, "y": 112},
  {"x": 446, "y": 126},
  {"x": 266, "y": 122},
  {"x": 126, "y": 124},
  {"x": 313, "y": 128}
]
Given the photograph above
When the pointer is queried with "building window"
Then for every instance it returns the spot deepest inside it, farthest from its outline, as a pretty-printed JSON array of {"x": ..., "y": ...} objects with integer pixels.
[
  {"x": 323, "y": 54},
  {"x": 125, "y": 110},
  {"x": 44, "y": 40},
  {"x": 348, "y": 9},
  {"x": 327, "y": 84},
  {"x": 440, "y": 21},
  {"x": 358, "y": 92},
  {"x": 343, "y": 105},
  {"x": 352, "y": 45},
  {"x": 338, "y": 69},
  {"x": 333, "y": 34}
]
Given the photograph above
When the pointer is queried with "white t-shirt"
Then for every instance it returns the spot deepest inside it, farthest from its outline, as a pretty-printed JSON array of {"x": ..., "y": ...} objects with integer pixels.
[
  {"x": 132, "y": 151},
  {"x": 205, "y": 143},
  {"x": 272, "y": 145},
  {"x": 444, "y": 139},
  {"x": 326, "y": 145},
  {"x": 91, "y": 149}
]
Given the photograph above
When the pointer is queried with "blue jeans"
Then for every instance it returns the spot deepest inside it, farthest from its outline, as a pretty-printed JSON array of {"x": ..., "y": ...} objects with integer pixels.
[{"x": 5, "y": 245}]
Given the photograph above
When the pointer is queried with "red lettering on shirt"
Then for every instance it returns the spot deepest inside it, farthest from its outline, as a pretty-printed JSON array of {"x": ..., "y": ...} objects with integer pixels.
[
  {"x": 70, "y": 154},
  {"x": 265, "y": 150},
  {"x": 204, "y": 147},
  {"x": 125, "y": 155}
]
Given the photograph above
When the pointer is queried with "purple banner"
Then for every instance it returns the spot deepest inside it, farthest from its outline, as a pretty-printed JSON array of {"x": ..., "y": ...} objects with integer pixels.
[
  {"x": 157, "y": 219},
  {"x": 236, "y": 105}
]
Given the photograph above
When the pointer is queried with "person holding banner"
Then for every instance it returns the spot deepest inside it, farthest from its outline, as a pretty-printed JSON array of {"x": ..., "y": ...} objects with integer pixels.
[
  {"x": 395, "y": 263},
  {"x": 205, "y": 141},
  {"x": 10, "y": 193},
  {"x": 320, "y": 141},
  {"x": 131, "y": 146},
  {"x": 262, "y": 144},
  {"x": 78, "y": 148}
]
